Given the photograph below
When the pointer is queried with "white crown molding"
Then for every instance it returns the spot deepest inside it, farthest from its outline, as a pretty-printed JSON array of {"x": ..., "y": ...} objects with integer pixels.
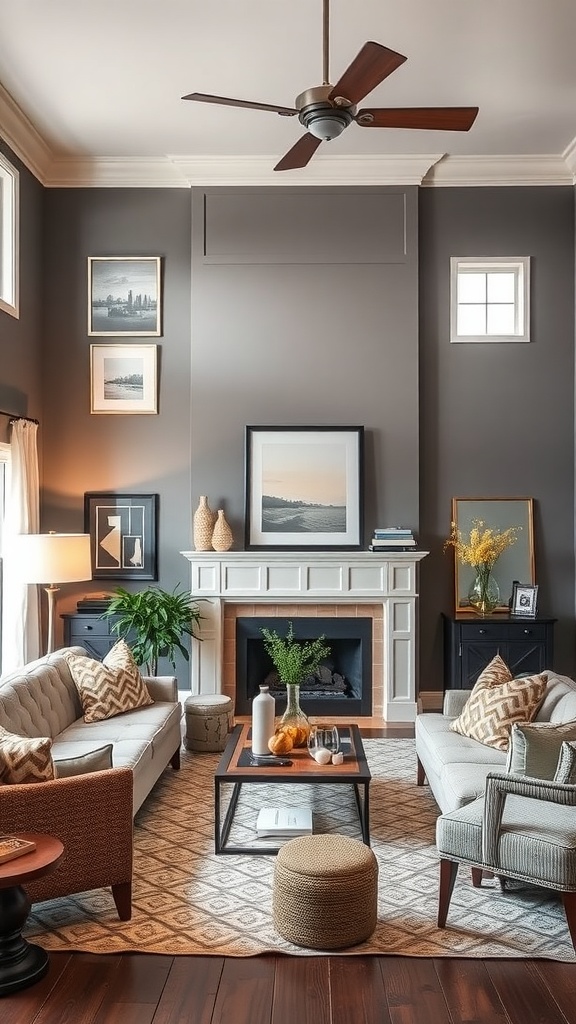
[
  {"x": 114, "y": 172},
  {"x": 569, "y": 155},
  {"x": 323, "y": 170},
  {"x": 523, "y": 169},
  {"x": 22, "y": 137}
]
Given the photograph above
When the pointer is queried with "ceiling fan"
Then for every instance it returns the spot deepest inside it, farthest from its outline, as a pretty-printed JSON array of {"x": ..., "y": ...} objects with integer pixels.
[{"x": 326, "y": 110}]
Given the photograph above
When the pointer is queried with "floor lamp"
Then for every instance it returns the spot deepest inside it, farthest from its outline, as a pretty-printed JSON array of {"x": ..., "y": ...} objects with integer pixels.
[{"x": 52, "y": 558}]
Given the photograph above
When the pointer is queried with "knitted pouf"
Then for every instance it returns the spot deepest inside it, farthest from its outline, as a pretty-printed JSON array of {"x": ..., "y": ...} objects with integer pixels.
[
  {"x": 325, "y": 893},
  {"x": 209, "y": 720}
]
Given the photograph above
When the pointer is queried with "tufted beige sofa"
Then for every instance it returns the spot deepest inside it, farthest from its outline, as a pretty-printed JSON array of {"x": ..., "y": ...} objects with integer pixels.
[{"x": 92, "y": 814}]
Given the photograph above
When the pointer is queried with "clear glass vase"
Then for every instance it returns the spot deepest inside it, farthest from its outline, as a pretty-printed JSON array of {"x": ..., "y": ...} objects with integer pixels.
[
  {"x": 294, "y": 721},
  {"x": 484, "y": 593}
]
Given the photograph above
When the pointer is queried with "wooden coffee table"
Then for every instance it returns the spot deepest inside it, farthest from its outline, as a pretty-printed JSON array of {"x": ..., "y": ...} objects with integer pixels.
[
  {"x": 22, "y": 963},
  {"x": 234, "y": 768}
]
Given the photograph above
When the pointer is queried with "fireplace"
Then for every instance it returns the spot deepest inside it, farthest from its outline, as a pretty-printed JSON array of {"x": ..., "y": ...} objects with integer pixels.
[{"x": 343, "y": 686}]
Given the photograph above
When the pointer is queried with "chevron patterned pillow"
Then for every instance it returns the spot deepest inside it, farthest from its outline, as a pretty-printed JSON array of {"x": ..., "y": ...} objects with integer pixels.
[
  {"x": 492, "y": 708},
  {"x": 109, "y": 687},
  {"x": 25, "y": 759}
]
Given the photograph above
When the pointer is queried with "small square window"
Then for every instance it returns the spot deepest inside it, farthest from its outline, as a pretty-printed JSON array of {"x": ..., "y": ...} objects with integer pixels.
[
  {"x": 9, "y": 182},
  {"x": 489, "y": 299}
]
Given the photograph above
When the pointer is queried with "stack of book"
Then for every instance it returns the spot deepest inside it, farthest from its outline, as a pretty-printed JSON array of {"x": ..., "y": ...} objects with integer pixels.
[{"x": 392, "y": 538}]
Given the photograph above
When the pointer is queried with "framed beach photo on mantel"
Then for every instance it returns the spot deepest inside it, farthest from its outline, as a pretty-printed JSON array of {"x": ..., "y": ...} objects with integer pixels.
[
  {"x": 304, "y": 488},
  {"x": 123, "y": 379},
  {"x": 124, "y": 296}
]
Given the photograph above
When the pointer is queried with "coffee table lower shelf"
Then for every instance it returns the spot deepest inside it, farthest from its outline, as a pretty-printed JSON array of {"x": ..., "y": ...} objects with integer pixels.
[{"x": 233, "y": 769}]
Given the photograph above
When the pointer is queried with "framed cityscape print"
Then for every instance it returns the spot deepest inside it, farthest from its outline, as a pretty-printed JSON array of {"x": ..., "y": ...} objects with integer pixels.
[
  {"x": 304, "y": 488},
  {"x": 124, "y": 296},
  {"x": 123, "y": 535},
  {"x": 123, "y": 379}
]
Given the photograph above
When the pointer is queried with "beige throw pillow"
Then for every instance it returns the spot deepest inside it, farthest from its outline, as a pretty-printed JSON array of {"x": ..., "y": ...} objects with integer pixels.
[
  {"x": 496, "y": 702},
  {"x": 93, "y": 761},
  {"x": 566, "y": 770},
  {"x": 25, "y": 759},
  {"x": 535, "y": 748},
  {"x": 109, "y": 687}
]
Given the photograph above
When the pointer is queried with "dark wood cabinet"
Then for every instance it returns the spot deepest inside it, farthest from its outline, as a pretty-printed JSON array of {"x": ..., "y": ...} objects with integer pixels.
[
  {"x": 91, "y": 632},
  {"x": 470, "y": 642}
]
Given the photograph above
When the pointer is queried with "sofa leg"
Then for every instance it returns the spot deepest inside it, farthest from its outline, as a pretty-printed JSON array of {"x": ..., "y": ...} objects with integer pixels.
[
  {"x": 448, "y": 872},
  {"x": 569, "y": 901},
  {"x": 122, "y": 894},
  {"x": 175, "y": 759},
  {"x": 420, "y": 773}
]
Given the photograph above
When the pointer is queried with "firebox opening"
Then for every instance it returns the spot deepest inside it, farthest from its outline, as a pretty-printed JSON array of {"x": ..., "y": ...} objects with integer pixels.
[{"x": 342, "y": 687}]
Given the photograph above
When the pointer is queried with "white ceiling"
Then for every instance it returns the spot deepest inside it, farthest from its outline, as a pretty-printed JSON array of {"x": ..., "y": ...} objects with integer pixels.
[{"x": 93, "y": 88}]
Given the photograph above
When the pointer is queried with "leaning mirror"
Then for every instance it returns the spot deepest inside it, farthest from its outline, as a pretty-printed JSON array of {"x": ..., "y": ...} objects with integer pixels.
[{"x": 515, "y": 563}]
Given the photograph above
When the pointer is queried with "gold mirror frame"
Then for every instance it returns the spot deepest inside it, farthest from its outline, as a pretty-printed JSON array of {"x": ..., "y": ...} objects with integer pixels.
[{"x": 516, "y": 563}]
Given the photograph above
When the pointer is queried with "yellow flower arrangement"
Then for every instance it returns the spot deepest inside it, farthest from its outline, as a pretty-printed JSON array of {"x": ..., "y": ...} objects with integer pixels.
[{"x": 484, "y": 546}]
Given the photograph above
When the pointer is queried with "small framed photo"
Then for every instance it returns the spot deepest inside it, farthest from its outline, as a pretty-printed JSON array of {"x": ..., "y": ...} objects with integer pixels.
[
  {"x": 123, "y": 379},
  {"x": 304, "y": 488},
  {"x": 123, "y": 535},
  {"x": 124, "y": 296},
  {"x": 524, "y": 599}
]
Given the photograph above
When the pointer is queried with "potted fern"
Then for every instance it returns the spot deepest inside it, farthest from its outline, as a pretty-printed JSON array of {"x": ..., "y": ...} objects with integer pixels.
[
  {"x": 294, "y": 660},
  {"x": 154, "y": 622}
]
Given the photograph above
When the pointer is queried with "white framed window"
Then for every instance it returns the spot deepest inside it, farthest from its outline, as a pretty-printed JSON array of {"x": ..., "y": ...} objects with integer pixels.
[
  {"x": 4, "y": 482},
  {"x": 9, "y": 237},
  {"x": 489, "y": 299}
]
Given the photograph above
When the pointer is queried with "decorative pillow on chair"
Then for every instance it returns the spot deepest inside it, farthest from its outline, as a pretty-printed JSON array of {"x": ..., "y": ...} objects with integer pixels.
[
  {"x": 109, "y": 687},
  {"x": 535, "y": 748},
  {"x": 24, "y": 758},
  {"x": 496, "y": 702},
  {"x": 94, "y": 761},
  {"x": 566, "y": 770}
]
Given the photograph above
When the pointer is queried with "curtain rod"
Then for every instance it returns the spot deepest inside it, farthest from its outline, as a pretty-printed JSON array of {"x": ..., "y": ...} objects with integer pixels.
[{"x": 14, "y": 416}]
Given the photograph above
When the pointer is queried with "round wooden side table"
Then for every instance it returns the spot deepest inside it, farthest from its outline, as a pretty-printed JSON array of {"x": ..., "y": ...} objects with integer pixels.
[{"x": 21, "y": 962}]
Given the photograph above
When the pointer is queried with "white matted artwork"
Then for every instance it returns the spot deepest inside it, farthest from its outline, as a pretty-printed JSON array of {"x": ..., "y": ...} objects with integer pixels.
[{"x": 123, "y": 379}]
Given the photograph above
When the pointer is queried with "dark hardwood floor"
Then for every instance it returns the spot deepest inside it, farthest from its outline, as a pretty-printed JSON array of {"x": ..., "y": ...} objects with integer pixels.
[{"x": 85, "y": 988}]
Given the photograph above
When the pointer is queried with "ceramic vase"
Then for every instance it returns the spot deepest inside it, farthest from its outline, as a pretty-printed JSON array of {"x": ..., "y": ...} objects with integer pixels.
[
  {"x": 203, "y": 525},
  {"x": 222, "y": 534},
  {"x": 263, "y": 714}
]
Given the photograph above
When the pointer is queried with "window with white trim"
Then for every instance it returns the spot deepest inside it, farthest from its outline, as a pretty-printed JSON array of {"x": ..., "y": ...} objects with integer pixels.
[
  {"x": 4, "y": 470},
  {"x": 489, "y": 299},
  {"x": 9, "y": 237}
]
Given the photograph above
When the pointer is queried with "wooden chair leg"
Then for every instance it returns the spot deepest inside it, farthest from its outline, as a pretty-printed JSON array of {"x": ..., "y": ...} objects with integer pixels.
[
  {"x": 122, "y": 894},
  {"x": 477, "y": 877},
  {"x": 448, "y": 872},
  {"x": 420, "y": 773},
  {"x": 569, "y": 901},
  {"x": 175, "y": 759}
]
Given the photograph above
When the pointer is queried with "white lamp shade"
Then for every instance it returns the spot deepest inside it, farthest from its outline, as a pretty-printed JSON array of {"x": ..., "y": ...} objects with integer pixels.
[{"x": 53, "y": 557}]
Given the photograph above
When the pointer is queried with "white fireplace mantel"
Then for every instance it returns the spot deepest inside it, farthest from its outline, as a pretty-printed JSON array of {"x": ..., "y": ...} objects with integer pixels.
[{"x": 299, "y": 577}]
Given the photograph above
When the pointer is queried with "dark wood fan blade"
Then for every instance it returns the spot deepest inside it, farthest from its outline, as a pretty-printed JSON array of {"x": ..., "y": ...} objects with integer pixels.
[
  {"x": 370, "y": 67},
  {"x": 451, "y": 119},
  {"x": 300, "y": 153},
  {"x": 204, "y": 97}
]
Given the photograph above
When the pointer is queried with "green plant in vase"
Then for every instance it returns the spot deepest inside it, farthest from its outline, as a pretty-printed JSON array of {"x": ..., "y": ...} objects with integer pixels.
[
  {"x": 294, "y": 660},
  {"x": 154, "y": 623}
]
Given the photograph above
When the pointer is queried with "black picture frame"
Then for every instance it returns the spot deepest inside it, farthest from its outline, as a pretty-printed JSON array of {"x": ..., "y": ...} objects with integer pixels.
[
  {"x": 524, "y": 600},
  {"x": 126, "y": 548},
  {"x": 313, "y": 478}
]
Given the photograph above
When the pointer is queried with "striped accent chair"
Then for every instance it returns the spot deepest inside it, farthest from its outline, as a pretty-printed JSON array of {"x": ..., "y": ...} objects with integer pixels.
[{"x": 522, "y": 828}]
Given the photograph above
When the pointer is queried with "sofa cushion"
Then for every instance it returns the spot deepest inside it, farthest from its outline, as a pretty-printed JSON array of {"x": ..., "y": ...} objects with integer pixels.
[
  {"x": 535, "y": 748},
  {"x": 492, "y": 707},
  {"x": 93, "y": 761},
  {"x": 566, "y": 770},
  {"x": 23, "y": 759},
  {"x": 109, "y": 687},
  {"x": 559, "y": 704}
]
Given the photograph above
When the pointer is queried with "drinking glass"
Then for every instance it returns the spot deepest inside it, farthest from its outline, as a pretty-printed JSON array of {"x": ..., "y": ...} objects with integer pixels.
[{"x": 324, "y": 736}]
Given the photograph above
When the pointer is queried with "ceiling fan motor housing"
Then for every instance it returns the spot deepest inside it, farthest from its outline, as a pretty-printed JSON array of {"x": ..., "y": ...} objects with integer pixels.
[{"x": 321, "y": 116}]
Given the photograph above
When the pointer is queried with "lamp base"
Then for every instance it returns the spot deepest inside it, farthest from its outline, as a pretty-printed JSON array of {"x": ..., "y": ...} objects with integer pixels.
[{"x": 51, "y": 591}]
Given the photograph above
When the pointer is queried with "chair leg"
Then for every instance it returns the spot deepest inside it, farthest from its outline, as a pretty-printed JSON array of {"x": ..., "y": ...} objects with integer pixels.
[
  {"x": 569, "y": 901},
  {"x": 420, "y": 773},
  {"x": 448, "y": 872},
  {"x": 122, "y": 894},
  {"x": 477, "y": 877},
  {"x": 175, "y": 759}
]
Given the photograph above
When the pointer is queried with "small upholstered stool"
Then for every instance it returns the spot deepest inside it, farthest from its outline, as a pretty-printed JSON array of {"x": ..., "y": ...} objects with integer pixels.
[
  {"x": 325, "y": 893},
  {"x": 209, "y": 720}
]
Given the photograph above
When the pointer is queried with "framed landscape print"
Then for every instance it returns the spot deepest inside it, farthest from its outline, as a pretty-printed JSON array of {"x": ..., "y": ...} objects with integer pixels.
[
  {"x": 123, "y": 379},
  {"x": 304, "y": 487},
  {"x": 515, "y": 563},
  {"x": 123, "y": 535},
  {"x": 124, "y": 296}
]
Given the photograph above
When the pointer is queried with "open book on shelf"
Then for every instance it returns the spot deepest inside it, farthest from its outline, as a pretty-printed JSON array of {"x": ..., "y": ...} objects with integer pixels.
[{"x": 284, "y": 821}]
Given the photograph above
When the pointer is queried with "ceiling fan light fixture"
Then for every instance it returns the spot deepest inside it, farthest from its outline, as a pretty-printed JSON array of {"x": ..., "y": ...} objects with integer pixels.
[{"x": 324, "y": 122}]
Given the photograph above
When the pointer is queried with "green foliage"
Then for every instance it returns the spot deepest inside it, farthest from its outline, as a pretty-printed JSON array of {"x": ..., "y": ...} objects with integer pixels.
[
  {"x": 294, "y": 660},
  {"x": 159, "y": 621}
]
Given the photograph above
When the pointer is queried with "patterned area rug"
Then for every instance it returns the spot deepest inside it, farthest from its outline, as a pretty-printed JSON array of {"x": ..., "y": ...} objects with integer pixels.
[{"x": 188, "y": 900}]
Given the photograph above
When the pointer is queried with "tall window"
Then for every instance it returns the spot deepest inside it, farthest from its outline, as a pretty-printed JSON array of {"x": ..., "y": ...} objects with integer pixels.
[
  {"x": 9, "y": 240},
  {"x": 489, "y": 299},
  {"x": 4, "y": 470}
]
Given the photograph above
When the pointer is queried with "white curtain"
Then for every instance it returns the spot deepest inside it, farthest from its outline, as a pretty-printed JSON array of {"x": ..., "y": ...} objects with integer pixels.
[{"x": 21, "y": 636}]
